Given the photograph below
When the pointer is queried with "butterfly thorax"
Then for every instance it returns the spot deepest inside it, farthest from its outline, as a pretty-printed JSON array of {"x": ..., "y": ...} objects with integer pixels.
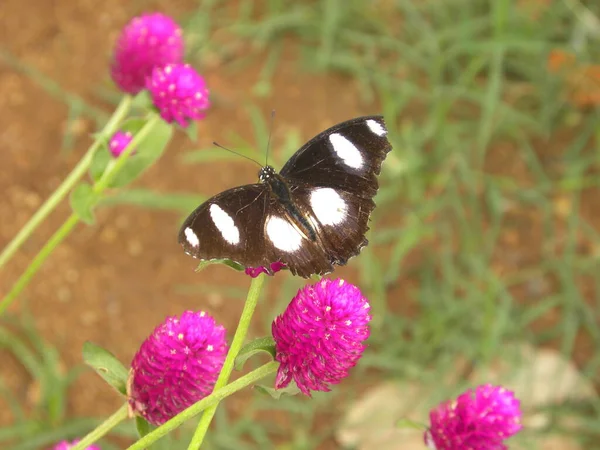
[{"x": 279, "y": 188}]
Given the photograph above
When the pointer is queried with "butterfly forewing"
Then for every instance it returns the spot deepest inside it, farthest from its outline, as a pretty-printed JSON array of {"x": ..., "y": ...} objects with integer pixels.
[
  {"x": 229, "y": 226},
  {"x": 312, "y": 216},
  {"x": 347, "y": 156}
]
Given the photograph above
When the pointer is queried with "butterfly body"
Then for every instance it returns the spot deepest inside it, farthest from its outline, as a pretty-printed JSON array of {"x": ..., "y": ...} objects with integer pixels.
[{"x": 311, "y": 216}]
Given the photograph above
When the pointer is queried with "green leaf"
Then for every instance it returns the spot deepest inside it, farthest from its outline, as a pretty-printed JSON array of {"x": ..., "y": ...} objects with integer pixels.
[
  {"x": 147, "y": 198},
  {"x": 99, "y": 163},
  {"x": 106, "y": 365},
  {"x": 142, "y": 426},
  {"x": 142, "y": 101},
  {"x": 226, "y": 262},
  {"x": 192, "y": 131},
  {"x": 146, "y": 152},
  {"x": 83, "y": 200},
  {"x": 290, "y": 390},
  {"x": 261, "y": 345},
  {"x": 408, "y": 423}
]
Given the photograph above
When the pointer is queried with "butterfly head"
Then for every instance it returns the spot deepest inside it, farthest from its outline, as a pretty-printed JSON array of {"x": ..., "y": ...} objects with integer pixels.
[{"x": 266, "y": 173}]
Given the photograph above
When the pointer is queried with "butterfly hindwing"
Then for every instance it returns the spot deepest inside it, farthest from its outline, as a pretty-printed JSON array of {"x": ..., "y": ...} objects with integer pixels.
[
  {"x": 346, "y": 156},
  {"x": 290, "y": 241},
  {"x": 339, "y": 217},
  {"x": 249, "y": 227}
]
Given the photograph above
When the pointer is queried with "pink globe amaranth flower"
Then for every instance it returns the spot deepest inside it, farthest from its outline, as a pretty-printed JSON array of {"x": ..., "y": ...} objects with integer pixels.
[
  {"x": 146, "y": 42},
  {"x": 177, "y": 365},
  {"x": 118, "y": 142},
  {"x": 179, "y": 93},
  {"x": 476, "y": 420},
  {"x": 271, "y": 270},
  {"x": 66, "y": 445},
  {"x": 319, "y": 336}
]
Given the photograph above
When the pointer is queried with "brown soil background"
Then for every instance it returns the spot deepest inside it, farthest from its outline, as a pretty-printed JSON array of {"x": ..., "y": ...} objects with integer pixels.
[{"x": 114, "y": 282}]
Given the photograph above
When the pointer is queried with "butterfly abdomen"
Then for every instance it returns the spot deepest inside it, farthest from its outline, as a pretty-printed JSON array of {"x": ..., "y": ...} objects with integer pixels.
[{"x": 281, "y": 193}]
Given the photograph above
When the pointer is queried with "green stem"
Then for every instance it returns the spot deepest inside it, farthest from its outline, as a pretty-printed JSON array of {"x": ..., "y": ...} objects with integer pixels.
[
  {"x": 61, "y": 192},
  {"x": 66, "y": 228},
  {"x": 103, "y": 428},
  {"x": 39, "y": 259},
  {"x": 206, "y": 402},
  {"x": 236, "y": 346}
]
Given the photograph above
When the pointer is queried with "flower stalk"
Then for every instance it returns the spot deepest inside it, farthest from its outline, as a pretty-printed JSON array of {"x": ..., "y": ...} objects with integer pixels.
[
  {"x": 65, "y": 187},
  {"x": 66, "y": 228},
  {"x": 234, "y": 349},
  {"x": 207, "y": 402}
]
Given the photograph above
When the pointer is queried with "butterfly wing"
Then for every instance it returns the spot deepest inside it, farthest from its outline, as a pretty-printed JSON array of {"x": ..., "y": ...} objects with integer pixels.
[
  {"x": 333, "y": 179},
  {"x": 347, "y": 156},
  {"x": 229, "y": 226},
  {"x": 286, "y": 240},
  {"x": 249, "y": 226},
  {"x": 339, "y": 218}
]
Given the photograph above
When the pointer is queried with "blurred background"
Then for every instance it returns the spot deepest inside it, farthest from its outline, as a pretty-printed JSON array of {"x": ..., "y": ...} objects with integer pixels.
[{"x": 485, "y": 246}]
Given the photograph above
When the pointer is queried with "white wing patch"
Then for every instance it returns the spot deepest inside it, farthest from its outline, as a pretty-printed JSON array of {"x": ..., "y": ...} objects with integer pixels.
[
  {"x": 282, "y": 234},
  {"x": 346, "y": 150},
  {"x": 329, "y": 207},
  {"x": 224, "y": 224},
  {"x": 376, "y": 127},
  {"x": 191, "y": 237}
]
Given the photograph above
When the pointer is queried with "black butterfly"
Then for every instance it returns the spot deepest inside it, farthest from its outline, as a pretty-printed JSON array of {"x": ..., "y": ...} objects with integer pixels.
[{"x": 310, "y": 216}]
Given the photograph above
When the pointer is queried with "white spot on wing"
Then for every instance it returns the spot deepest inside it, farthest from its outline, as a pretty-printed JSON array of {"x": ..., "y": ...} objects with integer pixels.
[
  {"x": 346, "y": 150},
  {"x": 376, "y": 127},
  {"x": 224, "y": 224},
  {"x": 282, "y": 234},
  {"x": 191, "y": 237},
  {"x": 328, "y": 206}
]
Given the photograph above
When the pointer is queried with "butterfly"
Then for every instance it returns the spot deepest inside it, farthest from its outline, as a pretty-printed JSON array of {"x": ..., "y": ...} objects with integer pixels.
[{"x": 310, "y": 216}]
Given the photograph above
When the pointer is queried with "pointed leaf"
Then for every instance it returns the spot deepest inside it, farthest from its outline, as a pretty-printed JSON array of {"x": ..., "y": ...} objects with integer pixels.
[
  {"x": 142, "y": 426},
  {"x": 192, "y": 131},
  {"x": 290, "y": 390},
  {"x": 106, "y": 365},
  {"x": 100, "y": 161},
  {"x": 205, "y": 263},
  {"x": 83, "y": 200},
  {"x": 408, "y": 423},
  {"x": 146, "y": 152},
  {"x": 261, "y": 345},
  {"x": 142, "y": 101}
]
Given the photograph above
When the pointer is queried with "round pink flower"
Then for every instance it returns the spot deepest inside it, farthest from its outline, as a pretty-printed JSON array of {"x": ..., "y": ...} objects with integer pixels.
[
  {"x": 66, "y": 445},
  {"x": 320, "y": 335},
  {"x": 479, "y": 420},
  {"x": 118, "y": 142},
  {"x": 179, "y": 93},
  {"x": 271, "y": 270},
  {"x": 177, "y": 365},
  {"x": 146, "y": 42}
]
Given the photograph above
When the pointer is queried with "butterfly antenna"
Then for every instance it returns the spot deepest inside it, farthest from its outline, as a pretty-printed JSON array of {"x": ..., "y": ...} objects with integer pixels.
[
  {"x": 270, "y": 132},
  {"x": 216, "y": 144}
]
